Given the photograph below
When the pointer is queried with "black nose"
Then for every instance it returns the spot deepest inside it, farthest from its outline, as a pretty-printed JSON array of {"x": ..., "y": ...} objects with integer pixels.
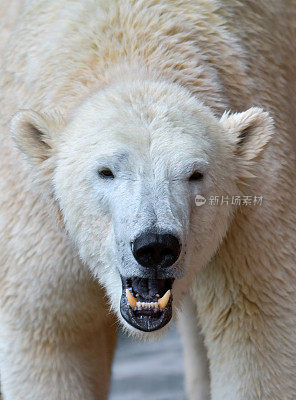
[{"x": 156, "y": 250}]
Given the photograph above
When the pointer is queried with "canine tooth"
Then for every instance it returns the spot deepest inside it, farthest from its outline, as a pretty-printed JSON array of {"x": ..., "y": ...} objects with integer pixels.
[
  {"x": 130, "y": 298},
  {"x": 164, "y": 300}
]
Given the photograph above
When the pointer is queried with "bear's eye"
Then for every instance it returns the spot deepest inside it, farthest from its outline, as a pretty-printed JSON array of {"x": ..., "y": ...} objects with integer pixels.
[
  {"x": 196, "y": 176},
  {"x": 106, "y": 173}
]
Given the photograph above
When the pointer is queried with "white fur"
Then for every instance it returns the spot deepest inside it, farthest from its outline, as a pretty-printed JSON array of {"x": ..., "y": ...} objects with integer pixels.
[
  {"x": 142, "y": 88},
  {"x": 197, "y": 365}
]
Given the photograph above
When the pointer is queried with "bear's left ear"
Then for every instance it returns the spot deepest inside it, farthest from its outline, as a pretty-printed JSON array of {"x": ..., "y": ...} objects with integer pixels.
[
  {"x": 251, "y": 131},
  {"x": 32, "y": 133}
]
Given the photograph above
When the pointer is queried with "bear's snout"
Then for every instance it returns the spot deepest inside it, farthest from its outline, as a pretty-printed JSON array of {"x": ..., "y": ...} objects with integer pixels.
[{"x": 153, "y": 249}]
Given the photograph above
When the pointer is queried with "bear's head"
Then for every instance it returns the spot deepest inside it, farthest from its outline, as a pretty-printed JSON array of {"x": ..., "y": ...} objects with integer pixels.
[{"x": 132, "y": 172}]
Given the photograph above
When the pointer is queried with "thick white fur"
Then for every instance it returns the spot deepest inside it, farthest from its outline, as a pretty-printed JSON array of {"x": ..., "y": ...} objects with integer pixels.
[
  {"x": 196, "y": 361},
  {"x": 143, "y": 86}
]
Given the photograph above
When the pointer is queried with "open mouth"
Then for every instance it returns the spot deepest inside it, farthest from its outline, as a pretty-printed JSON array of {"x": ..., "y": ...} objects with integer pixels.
[{"x": 146, "y": 304}]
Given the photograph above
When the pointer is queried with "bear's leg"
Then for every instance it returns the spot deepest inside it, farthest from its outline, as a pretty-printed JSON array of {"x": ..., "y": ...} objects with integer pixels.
[
  {"x": 57, "y": 335},
  {"x": 196, "y": 362},
  {"x": 74, "y": 367},
  {"x": 249, "y": 325}
]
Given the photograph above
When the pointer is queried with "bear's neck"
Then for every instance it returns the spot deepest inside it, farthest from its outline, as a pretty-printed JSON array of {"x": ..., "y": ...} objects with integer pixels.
[
  {"x": 181, "y": 54},
  {"x": 128, "y": 39}
]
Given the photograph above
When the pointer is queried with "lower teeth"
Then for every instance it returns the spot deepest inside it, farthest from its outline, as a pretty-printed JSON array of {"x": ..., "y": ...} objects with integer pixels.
[
  {"x": 138, "y": 305},
  {"x": 147, "y": 306}
]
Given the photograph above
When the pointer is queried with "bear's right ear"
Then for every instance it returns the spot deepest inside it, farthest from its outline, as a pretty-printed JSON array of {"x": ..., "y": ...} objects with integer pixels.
[
  {"x": 30, "y": 132},
  {"x": 250, "y": 130}
]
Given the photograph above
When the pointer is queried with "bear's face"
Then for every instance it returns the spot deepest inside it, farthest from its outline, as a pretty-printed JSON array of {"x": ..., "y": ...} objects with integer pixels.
[{"x": 129, "y": 166}]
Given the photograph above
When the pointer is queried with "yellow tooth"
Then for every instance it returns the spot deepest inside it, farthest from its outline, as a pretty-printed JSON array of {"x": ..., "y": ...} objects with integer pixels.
[
  {"x": 164, "y": 300},
  {"x": 131, "y": 299}
]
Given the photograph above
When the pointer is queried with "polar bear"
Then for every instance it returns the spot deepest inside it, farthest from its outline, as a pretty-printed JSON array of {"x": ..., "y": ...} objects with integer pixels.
[{"x": 116, "y": 116}]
